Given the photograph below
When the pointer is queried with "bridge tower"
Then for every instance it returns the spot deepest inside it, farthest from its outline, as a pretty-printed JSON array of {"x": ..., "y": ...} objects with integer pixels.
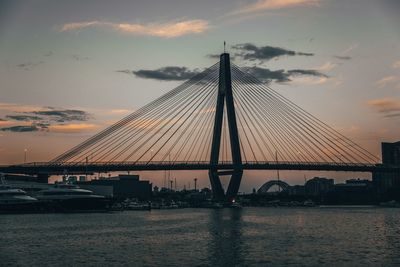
[{"x": 225, "y": 96}]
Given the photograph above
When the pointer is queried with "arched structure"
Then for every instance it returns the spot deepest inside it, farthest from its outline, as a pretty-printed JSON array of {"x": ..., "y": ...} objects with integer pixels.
[{"x": 265, "y": 187}]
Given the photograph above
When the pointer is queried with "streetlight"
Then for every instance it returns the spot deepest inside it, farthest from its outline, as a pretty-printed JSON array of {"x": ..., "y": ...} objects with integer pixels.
[{"x": 25, "y": 151}]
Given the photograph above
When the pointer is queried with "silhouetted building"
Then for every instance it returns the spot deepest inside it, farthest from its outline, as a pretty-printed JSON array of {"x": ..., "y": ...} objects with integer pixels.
[
  {"x": 391, "y": 153},
  {"x": 354, "y": 191},
  {"x": 386, "y": 183},
  {"x": 123, "y": 186},
  {"x": 296, "y": 190},
  {"x": 318, "y": 186}
]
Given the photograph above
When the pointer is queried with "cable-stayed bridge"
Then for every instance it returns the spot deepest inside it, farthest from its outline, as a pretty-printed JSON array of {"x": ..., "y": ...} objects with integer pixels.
[{"x": 223, "y": 120}]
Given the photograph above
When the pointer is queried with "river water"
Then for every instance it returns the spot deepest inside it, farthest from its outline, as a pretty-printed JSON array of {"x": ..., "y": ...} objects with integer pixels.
[{"x": 356, "y": 236}]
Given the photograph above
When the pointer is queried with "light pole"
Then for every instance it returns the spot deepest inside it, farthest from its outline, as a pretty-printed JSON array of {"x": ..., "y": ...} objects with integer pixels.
[
  {"x": 25, "y": 151},
  {"x": 277, "y": 170}
]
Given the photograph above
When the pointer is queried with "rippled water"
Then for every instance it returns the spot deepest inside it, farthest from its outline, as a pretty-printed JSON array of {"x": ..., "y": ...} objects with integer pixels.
[{"x": 202, "y": 237}]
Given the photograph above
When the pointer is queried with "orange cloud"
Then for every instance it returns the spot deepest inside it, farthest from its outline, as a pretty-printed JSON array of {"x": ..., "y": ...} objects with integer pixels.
[
  {"x": 310, "y": 80},
  {"x": 385, "y": 105},
  {"x": 262, "y": 5},
  {"x": 167, "y": 30},
  {"x": 396, "y": 64},
  {"x": 72, "y": 128},
  {"x": 328, "y": 66},
  {"x": 14, "y": 107},
  {"x": 4, "y": 123},
  {"x": 79, "y": 25},
  {"x": 385, "y": 81},
  {"x": 120, "y": 111}
]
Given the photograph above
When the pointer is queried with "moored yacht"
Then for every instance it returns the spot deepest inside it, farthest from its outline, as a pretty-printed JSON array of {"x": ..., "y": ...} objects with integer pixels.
[
  {"x": 66, "y": 197},
  {"x": 15, "y": 200}
]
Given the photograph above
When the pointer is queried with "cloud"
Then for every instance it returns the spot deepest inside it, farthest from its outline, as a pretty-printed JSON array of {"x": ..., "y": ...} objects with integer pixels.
[
  {"x": 4, "y": 123},
  {"x": 79, "y": 25},
  {"x": 251, "y": 52},
  {"x": 267, "y": 75},
  {"x": 79, "y": 58},
  {"x": 344, "y": 54},
  {"x": 33, "y": 119},
  {"x": 214, "y": 56},
  {"x": 262, "y": 5},
  {"x": 298, "y": 72},
  {"x": 328, "y": 66},
  {"x": 281, "y": 76},
  {"x": 63, "y": 115},
  {"x": 169, "y": 73},
  {"x": 120, "y": 111},
  {"x": 343, "y": 57},
  {"x": 15, "y": 107},
  {"x": 389, "y": 80},
  {"x": 350, "y": 48},
  {"x": 48, "y": 54},
  {"x": 23, "y": 117},
  {"x": 72, "y": 128},
  {"x": 396, "y": 64},
  {"x": 394, "y": 115},
  {"x": 125, "y": 71},
  {"x": 21, "y": 128},
  {"x": 29, "y": 65},
  {"x": 388, "y": 106},
  {"x": 166, "y": 30}
]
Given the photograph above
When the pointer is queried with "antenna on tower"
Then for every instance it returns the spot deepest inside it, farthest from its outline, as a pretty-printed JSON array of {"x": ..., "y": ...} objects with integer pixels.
[{"x": 224, "y": 46}]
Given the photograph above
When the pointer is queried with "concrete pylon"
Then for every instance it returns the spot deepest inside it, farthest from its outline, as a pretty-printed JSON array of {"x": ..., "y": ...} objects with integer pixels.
[{"x": 225, "y": 96}]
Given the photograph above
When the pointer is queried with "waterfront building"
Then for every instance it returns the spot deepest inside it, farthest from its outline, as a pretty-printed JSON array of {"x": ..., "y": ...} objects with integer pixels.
[
  {"x": 387, "y": 183},
  {"x": 296, "y": 190},
  {"x": 121, "y": 186},
  {"x": 353, "y": 191},
  {"x": 391, "y": 153},
  {"x": 318, "y": 186}
]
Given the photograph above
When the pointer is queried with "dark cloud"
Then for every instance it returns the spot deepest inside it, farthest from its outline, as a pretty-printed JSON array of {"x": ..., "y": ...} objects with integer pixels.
[
  {"x": 280, "y": 76},
  {"x": 42, "y": 125},
  {"x": 169, "y": 73},
  {"x": 252, "y": 52},
  {"x": 343, "y": 57},
  {"x": 125, "y": 71},
  {"x": 29, "y": 65},
  {"x": 213, "y": 56},
  {"x": 48, "y": 54},
  {"x": 267, "y": 74},
  {"x": 63, "y": 115},
  {"x": 23, "y": 117},
  {"x": 41, "y": 120},
  {"x": 80, "y": 58},
  {"x": 21, "y": 128},
  {"x": 297, "y": 72},
  {"x": 395, "y": 115}
]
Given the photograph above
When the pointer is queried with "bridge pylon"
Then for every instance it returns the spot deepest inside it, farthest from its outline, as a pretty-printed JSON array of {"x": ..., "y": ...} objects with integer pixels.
[{"x": 225, "y": 96}]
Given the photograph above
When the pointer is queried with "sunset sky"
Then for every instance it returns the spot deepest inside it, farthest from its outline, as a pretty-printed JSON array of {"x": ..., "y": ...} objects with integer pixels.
[{"x": 70, "y": 68}]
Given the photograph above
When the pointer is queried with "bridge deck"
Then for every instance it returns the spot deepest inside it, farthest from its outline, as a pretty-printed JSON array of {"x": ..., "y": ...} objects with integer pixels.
[{"x": 93, "y": 167}]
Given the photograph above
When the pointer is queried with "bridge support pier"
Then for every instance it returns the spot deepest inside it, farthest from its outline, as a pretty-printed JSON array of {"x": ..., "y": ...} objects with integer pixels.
[{"x": 225, "y": 95}]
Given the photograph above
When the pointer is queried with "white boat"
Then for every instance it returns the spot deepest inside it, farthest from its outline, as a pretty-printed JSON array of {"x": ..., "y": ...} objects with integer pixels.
[
  {"x": 15, "y": 200},
  {"x": 138, "y": 206},
  {"x": 67, "y": 197},
  {"x": 236, "y": 205}
]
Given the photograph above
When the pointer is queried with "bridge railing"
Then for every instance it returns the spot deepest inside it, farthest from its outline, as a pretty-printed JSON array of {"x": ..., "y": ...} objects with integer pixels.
[{"x": 174, "y": 163}]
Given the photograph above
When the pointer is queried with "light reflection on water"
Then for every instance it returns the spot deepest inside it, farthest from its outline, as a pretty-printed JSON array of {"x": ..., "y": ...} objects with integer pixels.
[{"x": 202, "y": 237}]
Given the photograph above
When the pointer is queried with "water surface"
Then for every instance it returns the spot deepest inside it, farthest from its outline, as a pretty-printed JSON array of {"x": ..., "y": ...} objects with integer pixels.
[{"x": 204, "y": 237}]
